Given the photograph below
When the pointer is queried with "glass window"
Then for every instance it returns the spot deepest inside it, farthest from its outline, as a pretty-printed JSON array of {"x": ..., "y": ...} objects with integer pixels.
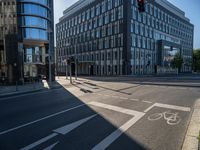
[
  {"x": 44, "y": 2},
  {"x": 35, "y": 9},
  {"x": 35, "y": 21},
  {"x": 31, "y": 33}
]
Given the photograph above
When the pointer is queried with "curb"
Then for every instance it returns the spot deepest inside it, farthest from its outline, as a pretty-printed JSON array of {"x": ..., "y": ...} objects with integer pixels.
[
  {"x": 27, "y": 92},
  {"x": 191, "y": 142}
]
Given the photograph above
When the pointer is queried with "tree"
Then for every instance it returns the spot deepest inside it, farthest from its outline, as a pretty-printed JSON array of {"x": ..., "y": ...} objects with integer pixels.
[
  {"x": 177, "y": 62},
  {"x": 196, "y": 60}
]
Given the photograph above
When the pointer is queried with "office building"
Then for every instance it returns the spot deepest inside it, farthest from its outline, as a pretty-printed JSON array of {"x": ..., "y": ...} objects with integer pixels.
[
  {"x": 110, "y": 37},
  {"x": 26, "y": 38}
]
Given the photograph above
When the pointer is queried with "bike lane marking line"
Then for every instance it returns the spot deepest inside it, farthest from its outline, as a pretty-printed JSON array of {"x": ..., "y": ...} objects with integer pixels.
[
  {"x": 41, "y": 119},
  {"x": 116, "y": 108},
  {"x": 175, "y": 107},
  {"x": 117, "y": 133},
  {"x": 62, "y": 130}
]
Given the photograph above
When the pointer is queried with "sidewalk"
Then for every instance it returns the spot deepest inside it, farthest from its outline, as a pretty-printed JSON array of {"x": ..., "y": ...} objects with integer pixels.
[
  {"x": 6, "y": 91},
  {"x": 191, "y": 142}
]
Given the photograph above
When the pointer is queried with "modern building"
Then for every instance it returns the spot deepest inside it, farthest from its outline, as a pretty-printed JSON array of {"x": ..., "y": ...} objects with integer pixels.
[
  {"x": 110, "y": 37},
  {"x": 27, "y": 37}
]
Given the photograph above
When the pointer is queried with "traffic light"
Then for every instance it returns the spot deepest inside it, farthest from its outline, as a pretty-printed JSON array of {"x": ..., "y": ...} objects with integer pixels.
[{"x": 141, "y": 5}]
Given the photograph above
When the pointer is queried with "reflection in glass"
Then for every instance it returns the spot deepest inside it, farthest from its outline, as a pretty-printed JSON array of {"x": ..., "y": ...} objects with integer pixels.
[
  {"x": 38, "y": 34},
  {"x": 35, "y": 22},
  {"x": 169, "y": 54}
]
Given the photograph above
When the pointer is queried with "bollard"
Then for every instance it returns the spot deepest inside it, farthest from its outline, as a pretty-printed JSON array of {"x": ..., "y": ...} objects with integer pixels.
[
  {"x": 33, "y": 84},
  {"x": 16, "y": 86}
]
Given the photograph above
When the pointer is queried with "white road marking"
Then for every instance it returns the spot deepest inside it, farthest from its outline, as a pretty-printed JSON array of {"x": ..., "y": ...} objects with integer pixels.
[
  {"x": 115, "y": 96},
  {"x": 115, "y": 108},
  {"x": 107, "y": 95},
  {"x": 51, "y": 146},
  {"x": 62, "y": 130},
  {"x": 38, "y": 120},
  {"x": 171, "y": 118},
  {"x": 27, "y": 94},
  {"x": 132, "y": 99},
  {"x": 66, "y": 129},
  {"x": 117, "y": 133},
  {"x": 180, "y": 108},
  {"x": 147, "y": 102},
  {"x": 123, "y": 98},
  {"x": 39, "y": 142}
]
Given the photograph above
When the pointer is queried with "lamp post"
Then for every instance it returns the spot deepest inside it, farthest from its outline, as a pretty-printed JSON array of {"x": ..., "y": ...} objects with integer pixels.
[
  {"x": 75, "y": 64},
  {"x": 49, "y": 56},
  {"x": 66, "y": 63}
]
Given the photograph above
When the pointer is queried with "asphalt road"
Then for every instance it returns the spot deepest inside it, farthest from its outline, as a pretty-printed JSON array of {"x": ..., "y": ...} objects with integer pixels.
[{"x": 98, "y": 115}]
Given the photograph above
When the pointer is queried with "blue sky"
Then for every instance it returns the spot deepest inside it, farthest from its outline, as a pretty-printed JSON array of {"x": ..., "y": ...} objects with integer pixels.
[{"x": 190, "y": 7}]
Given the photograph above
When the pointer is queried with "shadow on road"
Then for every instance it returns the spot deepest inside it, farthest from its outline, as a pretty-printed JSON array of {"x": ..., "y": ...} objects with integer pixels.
[{"x": 19, "y": 111}]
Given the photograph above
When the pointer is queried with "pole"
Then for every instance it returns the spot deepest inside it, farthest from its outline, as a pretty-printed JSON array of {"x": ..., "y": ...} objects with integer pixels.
[
  {"x": 75, "y": 64},
  {"x": 66, "y": 70},
  {"x": 50, "y": 79},
  {"x": 70, "y": 72}
]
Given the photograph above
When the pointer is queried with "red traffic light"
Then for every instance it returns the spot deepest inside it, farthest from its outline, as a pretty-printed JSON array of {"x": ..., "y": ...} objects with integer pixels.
[{"x": 141, "y": 5}]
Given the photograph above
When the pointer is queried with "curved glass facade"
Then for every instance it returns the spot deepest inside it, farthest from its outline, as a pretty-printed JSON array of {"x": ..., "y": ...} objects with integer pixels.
[
  {"x": 34, "y": 9},
  {"x": 34, "y": 19},
  {"x": 43, "y": 2}
]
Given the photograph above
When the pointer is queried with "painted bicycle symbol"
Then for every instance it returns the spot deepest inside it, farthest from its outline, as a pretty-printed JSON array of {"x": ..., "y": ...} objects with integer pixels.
[{"x": 171, "y": 118}]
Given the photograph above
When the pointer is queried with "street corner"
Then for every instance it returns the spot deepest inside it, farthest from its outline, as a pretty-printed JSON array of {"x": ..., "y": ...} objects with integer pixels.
[{"x": 192, "y": 141}]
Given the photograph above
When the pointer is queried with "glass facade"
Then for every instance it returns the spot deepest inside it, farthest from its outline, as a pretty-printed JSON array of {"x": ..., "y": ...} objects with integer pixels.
[
  {"x": 99, "y": 37},
  {"x": 35, "y": 20}
]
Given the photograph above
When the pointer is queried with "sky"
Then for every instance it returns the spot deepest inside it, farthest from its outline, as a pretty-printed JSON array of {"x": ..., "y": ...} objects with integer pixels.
[{"x": 190, "y": 7}]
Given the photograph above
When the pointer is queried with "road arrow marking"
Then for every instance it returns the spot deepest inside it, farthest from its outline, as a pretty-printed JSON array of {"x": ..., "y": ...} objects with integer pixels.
[
  {"x": 51, "y": 146},
  {"x": 39, "y": 142},
  {"x": 41, "y": 119},
  {"x": 66, "y": 129},
  {"x": 63, "y": 130}
]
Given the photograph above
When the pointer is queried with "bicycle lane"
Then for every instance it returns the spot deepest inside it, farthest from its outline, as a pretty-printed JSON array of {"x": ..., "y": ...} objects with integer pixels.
[{"x": 162, "y": 127}]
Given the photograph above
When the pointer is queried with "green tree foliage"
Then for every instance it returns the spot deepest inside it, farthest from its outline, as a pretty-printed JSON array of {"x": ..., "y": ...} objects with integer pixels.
[
  {"x": 177, "y": 62},
  {"x": 196, "y": 60}
]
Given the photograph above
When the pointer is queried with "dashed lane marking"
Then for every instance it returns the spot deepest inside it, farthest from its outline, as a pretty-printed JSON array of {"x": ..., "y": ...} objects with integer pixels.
[
  {"x": 147, "y": 102},
  {"x": 123, "y": 98},
  {"x": 132, "y": 99}
]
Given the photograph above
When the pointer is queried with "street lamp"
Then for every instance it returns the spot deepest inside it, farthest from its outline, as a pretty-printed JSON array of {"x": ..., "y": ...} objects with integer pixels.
[
  {"x": 66, "y": 63},
  {"x": 49, "y": 51},
  {"x": 75, "y": 64}
]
